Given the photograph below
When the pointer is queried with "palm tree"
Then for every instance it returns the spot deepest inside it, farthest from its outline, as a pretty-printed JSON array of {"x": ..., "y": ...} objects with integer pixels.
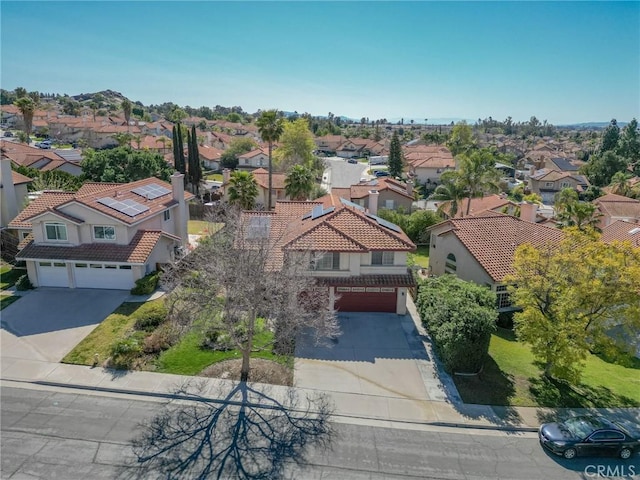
[
  {"x": 620, "y": 184},
  {"x": 27, "y": 107},
  {"x": 478, "y": 174},
  {"x": 583, "y": 215},
  {"x": 451, "y": 192},
  {"x": 270, "y": 127},
  {"x": 299, "y": 182},
  {"x": 243, "y": 190}
]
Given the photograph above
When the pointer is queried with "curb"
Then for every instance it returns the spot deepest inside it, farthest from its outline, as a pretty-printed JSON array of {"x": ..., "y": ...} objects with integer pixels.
[{"x": 196, "y": 398}]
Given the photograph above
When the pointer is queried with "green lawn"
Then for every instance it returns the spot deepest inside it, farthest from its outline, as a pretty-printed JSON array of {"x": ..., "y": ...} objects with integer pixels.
[
  {"x": 512, "y": 377},
  {"x": 188, "y": 358},
  {"x": 9, "y": 275},
  {"x": 115, "y": 327},
  {"x": 6, "y": 300},
  {"x": 420, "y": 257},
  {"x": 214, "y": 176},
  {"x": 200, "y": 227}
]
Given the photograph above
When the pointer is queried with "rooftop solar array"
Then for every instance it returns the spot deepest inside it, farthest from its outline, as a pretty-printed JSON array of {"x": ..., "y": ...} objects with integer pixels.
[
  {"x": 384, "y": 223},
  {"x": 258, "y": 227},
  {"x": 317, "y": 212},
  {"x": 351, "y": 204},
  {"x": 565, "y": 164},
  {"x": 151, "y": 191},
  {"x": 128, "y": 207}
]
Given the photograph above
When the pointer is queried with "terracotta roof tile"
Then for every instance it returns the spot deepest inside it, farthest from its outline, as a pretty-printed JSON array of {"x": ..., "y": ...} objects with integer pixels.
[
  {"x": 379, "y": 280},
  {"x": 19, "y": 179},
  {"x": 41, "y": 204},
  {"x": 618, "y": 206},
  {"x": 137, "y": 251},
  {"x": 622, "y": 231}
]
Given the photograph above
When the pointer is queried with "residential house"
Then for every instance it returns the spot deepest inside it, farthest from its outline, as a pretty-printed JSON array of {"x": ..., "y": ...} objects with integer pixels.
[
  {"x": 361, "y": 147},
  {"x": 40, "y": 159},
  {"x": 378, "y": 193},
  {"x": 481, "y": 248},
  {"x": 614, "y": 207},
  {"x": 622, "y": 231},
  {"x": 262, "y": 180},
  {"x": 359, "y": 257},
  {"x": 426, "y": 163},
  {"x": 105, "y": 235},
  {"x": 13, "y": 192},
  {"x": 495, "y": 203},
  {"x": 10, "y": 115},
  {"x": 547, "y": 183},
  {"x": 210, "y": 157},
  {"x": 254, "y": 159},
  {"x": 328, "y": 144}
]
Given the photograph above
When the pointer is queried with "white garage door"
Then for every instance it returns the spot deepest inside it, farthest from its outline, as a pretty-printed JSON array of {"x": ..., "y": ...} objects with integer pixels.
[
  {"x": 103, "y": 275},
  {"x": 52, "y": 274}
]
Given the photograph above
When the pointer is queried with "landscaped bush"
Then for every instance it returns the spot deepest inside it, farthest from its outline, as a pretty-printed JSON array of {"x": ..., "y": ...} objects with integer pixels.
[
  {"x": 460, "y": 317},
  {"x": 125, "y": 352},
  {"x": 146, "y": 284},
  {"x": 23, "y": 283},
  {"x": 151, "y": 317},
  {"x": 162, "y": 339}
]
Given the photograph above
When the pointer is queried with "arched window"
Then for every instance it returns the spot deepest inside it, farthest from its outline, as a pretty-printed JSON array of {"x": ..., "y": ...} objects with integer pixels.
[{"x": 450, "y": 264}]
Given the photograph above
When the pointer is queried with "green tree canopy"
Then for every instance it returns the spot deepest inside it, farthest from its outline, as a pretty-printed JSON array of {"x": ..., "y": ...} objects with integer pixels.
[
  {"x": 450, "y": 192},
  {"x": 299, "y": 182},
  {"x": 477, "y": 174},
  {"x": 461, "y": 139},
  {"x": 296, "y": 145},
  {"x": 243, "y": 190},
  {"x": 238, "y": 146},
  {"x": 396, "y": 163},
  {"x": 571, "y": 294},
  {"x": 122, "y": 165},
  {"x": 602, "y": 166}
]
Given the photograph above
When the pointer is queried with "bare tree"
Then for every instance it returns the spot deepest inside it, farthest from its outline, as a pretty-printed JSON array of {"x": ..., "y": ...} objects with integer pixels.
[
  {"x": 245, "y": 433},
  {"x": 242, "y": 274}
]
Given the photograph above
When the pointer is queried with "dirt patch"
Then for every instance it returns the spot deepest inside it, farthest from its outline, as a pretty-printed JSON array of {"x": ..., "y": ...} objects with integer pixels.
[{"x": 262, "y": 371}]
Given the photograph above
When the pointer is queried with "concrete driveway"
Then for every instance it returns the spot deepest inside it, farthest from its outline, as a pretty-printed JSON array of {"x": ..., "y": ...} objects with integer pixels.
[
  {"x": 48, "y": 322},
  {"x": 378, "y": 354}
]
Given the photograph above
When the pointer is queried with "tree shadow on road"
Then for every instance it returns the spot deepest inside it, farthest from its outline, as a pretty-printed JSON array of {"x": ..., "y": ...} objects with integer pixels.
[{"x": 245, "y": 433}]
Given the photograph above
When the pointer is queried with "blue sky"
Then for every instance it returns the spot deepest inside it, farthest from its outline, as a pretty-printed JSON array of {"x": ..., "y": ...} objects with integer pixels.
[{"x": 560, "y": 61}]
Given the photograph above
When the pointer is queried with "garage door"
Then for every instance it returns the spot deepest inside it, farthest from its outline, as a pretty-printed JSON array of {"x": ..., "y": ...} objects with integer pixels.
[
  {"x": 103, "y": 275},
  {"x": 52, "y": 274},
  {"x": 369, "y": 299}
]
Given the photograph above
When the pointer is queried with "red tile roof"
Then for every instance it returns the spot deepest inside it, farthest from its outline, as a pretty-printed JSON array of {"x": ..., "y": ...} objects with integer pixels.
[
  {"x": 613, "y": 205},
  {"x": 478, "y": 205},
  {"x": 622, "y": 231},
  {"x": 262, "y": 178},
  {"x": 492, "y": 239},
  {"x": 379, "y": 280},
  {"x": 137, "y": 251},
  {"x": 44, "y": 202},
  {"x": 19, "y": 179}
]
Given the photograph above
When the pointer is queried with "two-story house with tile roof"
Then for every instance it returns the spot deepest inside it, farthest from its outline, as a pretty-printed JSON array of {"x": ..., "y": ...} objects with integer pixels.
[
  {"x": 257, "y": 158},
  {"x": 614, "y": 207},
  {"x": 359, "y": 257},
  {"x": 378, "y": 193},
  {"x": 278, "y": 187},
  {"x": 105, "y": 235},
  {"x": 40, "y": 159},
  {"x": 547, "y": 183},
  {"x": 427, "y": 163}
]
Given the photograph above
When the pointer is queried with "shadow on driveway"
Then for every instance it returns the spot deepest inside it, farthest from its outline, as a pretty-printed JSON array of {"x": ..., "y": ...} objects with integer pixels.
[
  {"x": 365, "y": 338},
  {"x": 48, "y": 310}
]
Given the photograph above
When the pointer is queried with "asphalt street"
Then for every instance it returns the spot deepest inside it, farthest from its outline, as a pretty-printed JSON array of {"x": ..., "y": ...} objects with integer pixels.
[
  {"x": 342, "y": 174},
  {"x": 69, "y": 435}
]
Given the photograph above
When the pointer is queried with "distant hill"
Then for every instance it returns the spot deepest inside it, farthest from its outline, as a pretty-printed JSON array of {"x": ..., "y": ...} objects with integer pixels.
[{"x": 592, "y": 125}]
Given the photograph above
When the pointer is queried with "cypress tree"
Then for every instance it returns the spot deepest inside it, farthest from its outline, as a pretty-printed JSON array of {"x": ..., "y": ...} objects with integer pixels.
[
  {"x": 395, "y": 156},
  {"x": 195, "y": 169},
  {"x": 176, "y": 156}
]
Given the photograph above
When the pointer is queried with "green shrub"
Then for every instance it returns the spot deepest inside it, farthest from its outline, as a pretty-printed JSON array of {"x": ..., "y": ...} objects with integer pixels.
[
  {"x": 124, "y": 352},
  {"x": 151, "y": 317},
  {"x": 162, "y": 339},
  {"x": 23, "y": 283},
  {"x": 460, "y": 318},
  {"x": 146, "y": 284}
]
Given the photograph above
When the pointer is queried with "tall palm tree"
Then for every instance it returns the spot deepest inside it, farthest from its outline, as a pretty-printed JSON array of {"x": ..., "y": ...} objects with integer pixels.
[
  {"x": 27, "y": 107},
  {"x": 243, "y": 190},
  {"x": 583, "y": 215},
  {"x": 450, "y": 192},
  {"x": 299, "y": 182},
  {"x": 126, "y": 109},
  {"x": 478, "y": 174},
  {"x": 620, "y": 184},
  {"x": 270, "y": 126}
]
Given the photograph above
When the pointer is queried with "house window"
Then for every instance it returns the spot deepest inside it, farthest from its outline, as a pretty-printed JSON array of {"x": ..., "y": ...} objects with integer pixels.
[
  {"x": 565, "y": 185},
  {"x": 548, "y": 184},
  {"x": 101, "y": 232},
  {"x": 327, "y": 261},
  {"x": 503, "y": 297},
  {"x": 111, "y": 267},
  {"x": 56, "y": 231},
  {"x": 166, "y": 215},
  {"x": 81, "y": 265},
  {"x": 450, "y": 266},
  {"x": 24, "y": 235},
  {"x": 44, "y": 264},
  {"x": 388, "y": 204},
  {"x": 381, "y": 258},
  {"x": 125, "y": 267}
]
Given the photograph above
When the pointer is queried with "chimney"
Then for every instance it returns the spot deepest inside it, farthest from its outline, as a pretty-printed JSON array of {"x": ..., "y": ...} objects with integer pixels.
[
  {"x": 8, "y": 192},
  {"x": 373, "y": 202},
  {"x": 410, "y": 188},
  {"x": 181, "y": 212},
  {"x": 226, "y": 176},
  {"x": 528, "y": 211}
]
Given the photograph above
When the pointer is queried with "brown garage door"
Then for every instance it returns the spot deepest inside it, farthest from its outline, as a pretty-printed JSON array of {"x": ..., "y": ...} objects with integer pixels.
[{"x": 371, "y": 299}]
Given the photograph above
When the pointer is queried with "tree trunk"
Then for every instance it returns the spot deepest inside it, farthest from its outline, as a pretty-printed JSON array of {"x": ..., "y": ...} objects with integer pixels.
[
  {"x": 547, "y": 369},
  {"x": 270, "y": 179},
  {"x": 246, "y": 350}
]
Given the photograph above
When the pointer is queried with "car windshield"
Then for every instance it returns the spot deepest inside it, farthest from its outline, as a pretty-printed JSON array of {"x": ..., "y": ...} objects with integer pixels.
[{"x": 581, "y": 427}]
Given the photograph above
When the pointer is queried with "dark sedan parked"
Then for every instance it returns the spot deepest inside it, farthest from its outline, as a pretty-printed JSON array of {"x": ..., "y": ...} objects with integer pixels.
[{"x": 589, "y": 435}]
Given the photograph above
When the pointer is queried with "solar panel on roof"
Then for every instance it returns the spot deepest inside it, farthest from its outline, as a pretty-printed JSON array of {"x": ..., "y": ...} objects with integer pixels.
[
  {"x": 151, "y": 191},
  {"x": 384, "y": 223},
  {"x": 351, "y": 204},
  {"x": 130, "y": 208}
]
